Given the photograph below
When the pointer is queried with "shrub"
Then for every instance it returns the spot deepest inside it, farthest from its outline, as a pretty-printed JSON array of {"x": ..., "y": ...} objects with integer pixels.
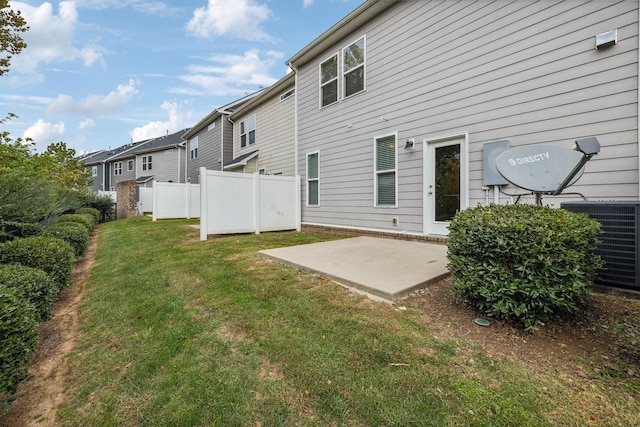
[
  {"x": 10, "y": 230},
  {"x": 73, "y": 233},
  {"x": 53, "y": 255},
  {"x": 95, "y": 213},
  {"x": 33, "y": 284},
  {"x": 84, "y": 219},
  {"x": 19, "y": 332},
  {"x": 523, "y": 263}
]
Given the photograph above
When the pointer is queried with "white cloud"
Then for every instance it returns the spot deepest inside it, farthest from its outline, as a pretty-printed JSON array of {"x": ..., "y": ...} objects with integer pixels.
[
  {"x": 143, "y": 6},
  {"x": 44, "y": 133},
  {"x": 176, "y": 120},
  {"x": 87, "y": 123},
  {"x": 230, "y": 74},
  {"x": 238, "y": 18},
  {"x": 110, "y": 103},
  {"x": 308, "y": 3},
  {"x": 50, "y": 39}
]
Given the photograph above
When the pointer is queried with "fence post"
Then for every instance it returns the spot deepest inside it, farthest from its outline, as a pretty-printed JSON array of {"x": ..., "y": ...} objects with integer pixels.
[
  {"x": 204, "y": 204},
  {"x": 256, "y": 202},
  {"x": 154, "y": 199},
  {"x": 188, "y": 186},
  {"x": 298, "y": 203}
]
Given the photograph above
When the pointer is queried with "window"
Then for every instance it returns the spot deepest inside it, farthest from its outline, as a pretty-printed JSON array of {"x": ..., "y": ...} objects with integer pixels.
[
  {"x": 329, "y": 81},
  {"x": 248, "y": 131},
  {"x": 211, "y": 126},
  {"x": 385, "y": 171},
  {"x": 262, "y": 171},
  {"x": 313, "y": 179},
  {"x": 94, "y": 171},
  {"x": 287, "y": 94},
  {"x": 117, "y": 168},
  {"x": 193, "y": 148},
  {"x": 353, "y": 67},
  {"x": 146, "y": 163},
  {"x": 129, "y": 165}
]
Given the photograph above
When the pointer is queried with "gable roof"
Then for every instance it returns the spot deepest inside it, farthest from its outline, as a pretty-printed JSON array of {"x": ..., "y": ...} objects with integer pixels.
[
  {"x": 241, "y": 160},
  {"x": 361, "y": 15},
  {"x": 160, "y": 143},
  {"x": 211, "y": 117}
]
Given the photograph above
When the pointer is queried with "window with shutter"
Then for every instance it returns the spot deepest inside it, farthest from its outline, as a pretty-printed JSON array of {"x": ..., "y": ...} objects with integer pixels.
[{"x": 385, "y": 171}]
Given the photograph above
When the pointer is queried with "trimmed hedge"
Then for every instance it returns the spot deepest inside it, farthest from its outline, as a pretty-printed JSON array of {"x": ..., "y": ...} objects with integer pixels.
[
  {"x": 19, "y": 332},
  {"x": 95, "y": 213},
  {"x": 84, "y": 219},
  {"x": 523, "y": 263},
  {"x": 35, "y": 285},
  {"x": 53, "y": 255},
  {"x": 73, "y": 233}
]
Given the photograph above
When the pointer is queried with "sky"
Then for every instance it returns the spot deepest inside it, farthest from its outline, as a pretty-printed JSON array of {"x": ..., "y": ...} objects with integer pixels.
[{"x": 98, "y": 74}]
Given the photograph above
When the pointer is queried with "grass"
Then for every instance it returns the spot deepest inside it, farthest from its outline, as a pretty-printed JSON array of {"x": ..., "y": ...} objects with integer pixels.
[{"x": 180, "y": 332}]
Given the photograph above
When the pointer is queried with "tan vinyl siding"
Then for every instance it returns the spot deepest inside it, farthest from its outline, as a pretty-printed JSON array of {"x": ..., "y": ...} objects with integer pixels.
[
  {"x": 275, "y": 133},
  {"x": 166, "y": 164},
  {"x": 523, "y": 71}
]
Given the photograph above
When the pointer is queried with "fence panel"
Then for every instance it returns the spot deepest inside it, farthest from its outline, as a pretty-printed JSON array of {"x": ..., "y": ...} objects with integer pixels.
[
  {"x": 243, "y": 203},
  {"x": 173, "y": 200},
  {"x": 145, "y": 200}
]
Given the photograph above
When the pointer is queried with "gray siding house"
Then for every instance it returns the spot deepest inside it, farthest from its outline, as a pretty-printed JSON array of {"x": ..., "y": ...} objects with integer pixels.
[
  {"x": 94, "y": 163},
  {"x": 395, "y": 103},
  {"x": 264, "y": 131},
  {"x": 209, "y": 143},
  {"x": 160, "y": 159}
]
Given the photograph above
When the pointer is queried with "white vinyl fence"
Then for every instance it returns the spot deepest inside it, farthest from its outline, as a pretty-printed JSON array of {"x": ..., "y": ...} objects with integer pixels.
[
  {"x": 111, "y": 194},
  {"x": 172, "y": 200},
  {"x": 246, "y": 203},
  {"x": 145, "y": 200}
]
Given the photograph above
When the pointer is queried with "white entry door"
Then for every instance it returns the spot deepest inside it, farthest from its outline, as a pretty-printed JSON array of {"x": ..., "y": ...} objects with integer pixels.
[{"x": 445, "y": 182}]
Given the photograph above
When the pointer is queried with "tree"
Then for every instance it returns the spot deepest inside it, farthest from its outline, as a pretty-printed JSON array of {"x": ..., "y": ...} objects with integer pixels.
[{"x": 12, "y": 25}]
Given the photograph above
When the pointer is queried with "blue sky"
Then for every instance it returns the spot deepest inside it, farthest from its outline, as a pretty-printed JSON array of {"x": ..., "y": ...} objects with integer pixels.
[{"x": 98, "y": 73}]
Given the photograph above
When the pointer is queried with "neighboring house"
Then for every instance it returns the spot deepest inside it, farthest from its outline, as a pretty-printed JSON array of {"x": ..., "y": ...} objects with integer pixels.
[
  {"x": 209, "y": 143},
  {"x": 264, "y": 131},
  {"x": 94, "y": 163},
  {"x": 122, "y": 164},
  {"x": 159, "y": 159},
  {"x": 395, "y": 103}
]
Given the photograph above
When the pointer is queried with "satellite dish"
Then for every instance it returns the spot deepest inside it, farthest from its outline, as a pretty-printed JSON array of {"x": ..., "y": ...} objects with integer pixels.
[{"x": 540, "y": 168}]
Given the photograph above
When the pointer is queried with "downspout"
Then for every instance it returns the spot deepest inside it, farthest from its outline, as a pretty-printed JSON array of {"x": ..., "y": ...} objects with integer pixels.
[
  {"x": 233, "y": 145},
  {"x": 295, "y": 122}
]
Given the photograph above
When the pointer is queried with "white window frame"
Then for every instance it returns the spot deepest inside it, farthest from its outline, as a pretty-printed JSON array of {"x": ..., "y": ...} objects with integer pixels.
[
  {"x": 246, "y": 130},
  {"x": 288, "y": 94},
  {"x": 130, "y": 165},
  {"x": 316, "y": 179},
  {"x": 345, "y": 72},
  {"x": 377, "y": 173},
  {"x": 335, "y": 79},
  {"x": 211, "y": 127},
  {"x": 117, "y": 168},
  {"x": 193, "y": 147},
  {"x": 147, "y": 163},
  {"x": 94, "y": 171}
]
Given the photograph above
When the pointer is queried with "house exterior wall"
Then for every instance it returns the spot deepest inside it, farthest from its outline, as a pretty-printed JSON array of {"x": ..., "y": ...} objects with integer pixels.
[
  {"x": 167, "y": 164},
  {"x": 96, "y": 181},
  {"x": 127, "y": 175},
  {"x": 275, "y": 135},
  {"x": 523, "y": 71},
  {"x": 210, "y": 154}
]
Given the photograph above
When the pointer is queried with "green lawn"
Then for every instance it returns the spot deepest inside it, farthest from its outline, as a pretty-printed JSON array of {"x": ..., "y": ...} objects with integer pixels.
[{"x": 180, "y": 332}]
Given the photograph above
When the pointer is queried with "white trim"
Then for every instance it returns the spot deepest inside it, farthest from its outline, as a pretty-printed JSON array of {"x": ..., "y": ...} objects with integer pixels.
[
  {"x": 426, "y": 167},
  {"x": 364, "y": 68},
  {"x": 337, "y": 78},
  {"x": 306, "y": 172},
  {"x": 375, "y": 172}
]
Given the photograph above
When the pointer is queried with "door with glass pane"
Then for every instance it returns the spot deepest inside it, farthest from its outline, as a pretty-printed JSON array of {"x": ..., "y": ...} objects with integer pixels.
[{"x": 444, "y": 183}]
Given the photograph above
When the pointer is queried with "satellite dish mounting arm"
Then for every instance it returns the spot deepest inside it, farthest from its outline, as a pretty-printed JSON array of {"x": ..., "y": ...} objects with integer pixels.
[{"x": 589, "y": 147}]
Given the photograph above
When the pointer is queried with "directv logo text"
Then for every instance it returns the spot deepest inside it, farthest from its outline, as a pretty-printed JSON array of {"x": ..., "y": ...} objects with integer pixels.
[{"x": 529, "y": 159}]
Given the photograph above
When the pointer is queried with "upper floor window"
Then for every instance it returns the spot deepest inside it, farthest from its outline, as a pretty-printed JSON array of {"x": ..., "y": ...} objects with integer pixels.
[
  {"x": 287, "y": 94},
  {"x": 146, "y": 163},
  {"x": 248, "y": 131},
  {"x": 353, "y": 57},
  {"x": 94, "y": 171},
  {"x": 117, "y": 168},
  {"x": 129, "y": 165},
  {"x": 329, "y": 81},
  {"x": 193, "y": 148}
]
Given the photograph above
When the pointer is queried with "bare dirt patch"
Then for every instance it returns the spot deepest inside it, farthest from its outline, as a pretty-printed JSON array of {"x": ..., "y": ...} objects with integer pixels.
[{"x": 40, "y": 396}]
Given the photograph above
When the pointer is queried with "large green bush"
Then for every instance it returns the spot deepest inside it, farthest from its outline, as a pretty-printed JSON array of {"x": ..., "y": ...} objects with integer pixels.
[
  {"x": 34, "y": 284},
  {"x": 523, "y": 263},
  {"x": 19, "y": 332},
  {"x": 84, "y": 219},
  {"x": 95, "y": 213},
  {"x": 73, "y": 233},
  {"x": 53, "y": 255}
]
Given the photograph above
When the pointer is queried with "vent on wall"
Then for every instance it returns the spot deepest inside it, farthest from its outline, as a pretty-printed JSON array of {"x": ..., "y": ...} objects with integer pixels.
[{"x": 619, "y": 244}]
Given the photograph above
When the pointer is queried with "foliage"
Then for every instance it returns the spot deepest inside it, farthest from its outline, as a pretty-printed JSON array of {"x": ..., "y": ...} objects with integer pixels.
[
  {"x": 12, "y": 24},
  {"x": 95, "y": 213},
  {"x": 19, "y": 332},
  {"x": 33, "y": 284},
  {"x": 10, "y": 230},
  {"x": 102, "y": 202},
  {"x": 74, "y": 233},
  {"x": 53, "y": 255},
  {"x": 85, "y": 219},
  {"x": 524, "y": 263}
]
